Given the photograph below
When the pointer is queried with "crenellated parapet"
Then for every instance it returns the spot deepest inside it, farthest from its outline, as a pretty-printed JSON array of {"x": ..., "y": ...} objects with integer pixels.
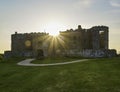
[{"x": 100, "y": 28}]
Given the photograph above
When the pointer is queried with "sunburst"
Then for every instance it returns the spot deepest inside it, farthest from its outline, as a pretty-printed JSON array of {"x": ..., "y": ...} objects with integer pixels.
[{"x": 53, "y": 28}]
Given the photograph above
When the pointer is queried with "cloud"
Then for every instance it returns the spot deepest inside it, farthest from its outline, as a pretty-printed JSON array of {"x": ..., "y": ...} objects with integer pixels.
[
  {"x": 83, "y": 3},
  {"x": 115, "y": 3}
]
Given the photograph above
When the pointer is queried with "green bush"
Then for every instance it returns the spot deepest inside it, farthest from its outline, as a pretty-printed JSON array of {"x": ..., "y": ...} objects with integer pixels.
[{"x": 1, "y": 58}]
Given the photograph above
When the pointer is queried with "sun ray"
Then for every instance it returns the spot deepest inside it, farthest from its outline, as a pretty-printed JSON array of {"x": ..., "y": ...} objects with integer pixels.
[{"x": 62, "y": 42}]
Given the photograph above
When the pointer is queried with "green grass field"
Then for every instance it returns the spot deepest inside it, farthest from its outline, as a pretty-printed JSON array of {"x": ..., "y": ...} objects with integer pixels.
[
  {"x": 55, "y": 60},
  {"x": 95, "y": 75}
]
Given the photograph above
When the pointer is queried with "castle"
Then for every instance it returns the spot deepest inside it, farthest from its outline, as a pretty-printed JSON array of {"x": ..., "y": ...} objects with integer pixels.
[{"x": 93, "y": 42}]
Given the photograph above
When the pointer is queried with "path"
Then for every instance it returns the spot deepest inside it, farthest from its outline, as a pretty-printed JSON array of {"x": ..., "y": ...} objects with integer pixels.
[{"x": 27, "y": 62}]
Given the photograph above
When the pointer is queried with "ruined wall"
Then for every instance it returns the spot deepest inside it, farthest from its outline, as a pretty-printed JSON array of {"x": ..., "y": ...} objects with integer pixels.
[
  {"x": 21, "y": 44},
  {"x": 98, "y": 53},
  {"x": 74, "y": 39},
  {"x": 26, "y": 44},
  {"x": 93, "y": 38},
  {"x": 100, "y": 37},
  {"x": 40, "y": 42},
  {"x": 93, "y": 42}
]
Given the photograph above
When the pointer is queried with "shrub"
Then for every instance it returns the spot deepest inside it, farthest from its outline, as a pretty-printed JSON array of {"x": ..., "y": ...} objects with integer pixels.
[{"x": 1, "y": 58}]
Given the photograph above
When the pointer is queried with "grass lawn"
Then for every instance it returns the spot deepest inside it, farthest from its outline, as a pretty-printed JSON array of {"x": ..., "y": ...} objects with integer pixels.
[
  {"x": 96, "y": 75},
  {"x": 55, "y": 60}
]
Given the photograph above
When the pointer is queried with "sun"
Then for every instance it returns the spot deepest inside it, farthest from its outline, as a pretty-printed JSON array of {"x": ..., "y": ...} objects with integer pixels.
[
  {"x": 54, "y": 33},
  {"x": 53, "y": 28}
]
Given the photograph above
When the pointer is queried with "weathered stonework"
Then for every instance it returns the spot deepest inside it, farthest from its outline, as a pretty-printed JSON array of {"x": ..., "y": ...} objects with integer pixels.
[{"x": 93, "y": 42}]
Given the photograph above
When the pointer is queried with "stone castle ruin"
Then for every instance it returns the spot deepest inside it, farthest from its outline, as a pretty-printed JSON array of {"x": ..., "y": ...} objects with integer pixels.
[{"x": 93, "y": 42}]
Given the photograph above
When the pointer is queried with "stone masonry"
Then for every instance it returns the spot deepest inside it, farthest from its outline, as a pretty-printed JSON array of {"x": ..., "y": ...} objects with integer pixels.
[{"x": 93, "y": 42}]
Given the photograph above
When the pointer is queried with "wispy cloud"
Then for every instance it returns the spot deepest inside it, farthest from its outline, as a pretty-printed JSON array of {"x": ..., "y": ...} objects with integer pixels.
[
  {"x": 115, "y": 3},
  {"x": 83, "y": 3}
]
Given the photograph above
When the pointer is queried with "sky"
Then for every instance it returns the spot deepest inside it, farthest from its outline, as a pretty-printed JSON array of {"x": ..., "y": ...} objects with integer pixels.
[{"x": 25, "y": 16}]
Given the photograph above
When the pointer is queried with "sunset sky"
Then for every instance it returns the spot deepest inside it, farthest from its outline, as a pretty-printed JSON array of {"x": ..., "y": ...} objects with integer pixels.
[{"x": 25, "y": 16}]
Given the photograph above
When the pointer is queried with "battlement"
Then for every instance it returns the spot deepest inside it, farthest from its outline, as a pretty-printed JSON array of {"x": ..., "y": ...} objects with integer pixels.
[
  {"x": 99, "y": 28},
  {"x": 32, "y": 33}
]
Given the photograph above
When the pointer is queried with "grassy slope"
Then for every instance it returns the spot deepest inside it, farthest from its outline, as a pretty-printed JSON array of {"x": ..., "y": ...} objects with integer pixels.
[{"x": 100, "y": 75}]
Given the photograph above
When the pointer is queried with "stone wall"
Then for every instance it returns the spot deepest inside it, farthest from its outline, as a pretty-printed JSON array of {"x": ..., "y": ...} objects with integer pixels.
[
  {"x": 91, "y": 53},
  {"x": 98, "y": 53},
  {"x": 92, "y": 42}
]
